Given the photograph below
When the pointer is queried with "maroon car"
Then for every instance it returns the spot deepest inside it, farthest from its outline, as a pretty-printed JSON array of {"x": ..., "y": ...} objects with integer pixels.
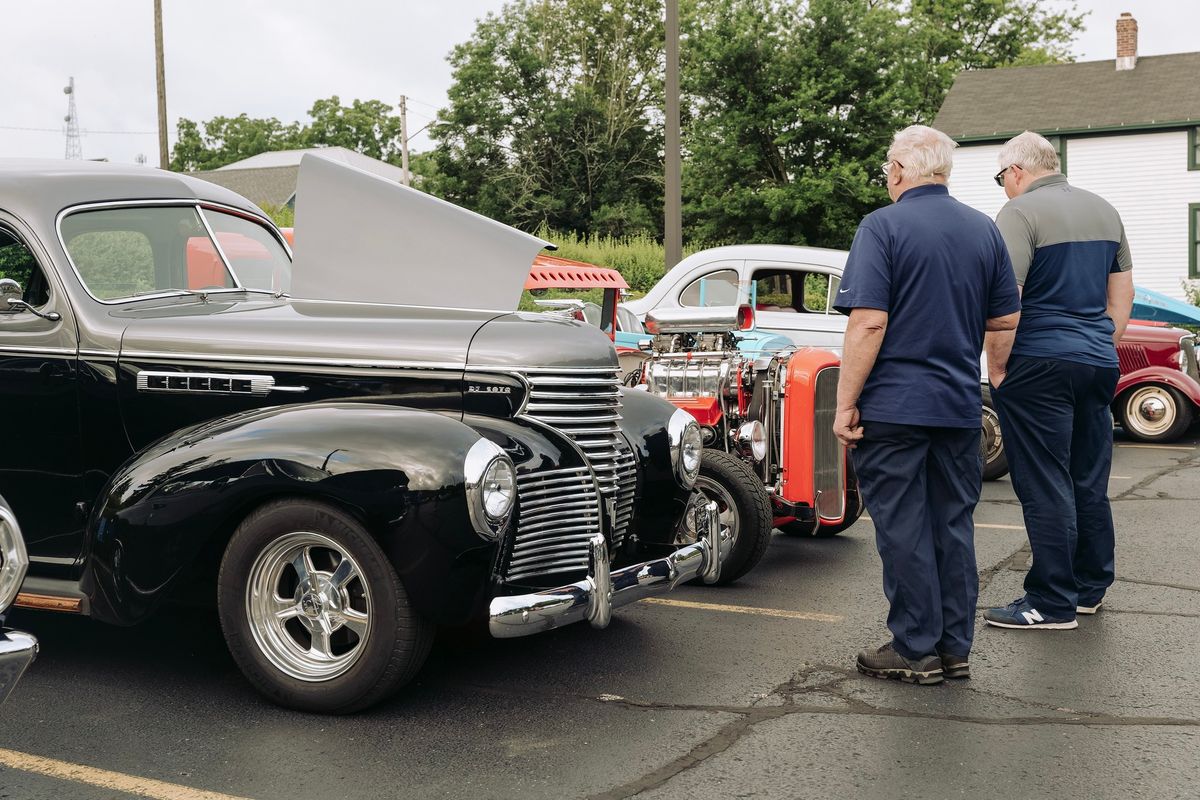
[{"x": 1159, "y": 389}]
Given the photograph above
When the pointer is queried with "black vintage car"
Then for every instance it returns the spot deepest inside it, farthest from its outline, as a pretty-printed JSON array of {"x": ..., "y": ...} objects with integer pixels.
[{"x": 338, "y": 477}]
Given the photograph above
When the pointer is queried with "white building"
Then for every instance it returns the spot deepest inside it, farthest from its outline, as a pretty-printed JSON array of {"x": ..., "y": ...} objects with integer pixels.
[{"x": 1127, "y": 129}]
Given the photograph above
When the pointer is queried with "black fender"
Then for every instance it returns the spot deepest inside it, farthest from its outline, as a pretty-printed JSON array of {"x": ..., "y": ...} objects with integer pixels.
[
  {"x": 398, "y": 470},
  {"x": 661, "y": 497}
]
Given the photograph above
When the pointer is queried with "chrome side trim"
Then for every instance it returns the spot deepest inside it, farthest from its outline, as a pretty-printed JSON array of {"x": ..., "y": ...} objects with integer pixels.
[
  {"x": 210, "y": 383},
  {"x": 172, "y": 358},
  {"x": 25, "y": 350},
  {"x": 595, "y": 597}
]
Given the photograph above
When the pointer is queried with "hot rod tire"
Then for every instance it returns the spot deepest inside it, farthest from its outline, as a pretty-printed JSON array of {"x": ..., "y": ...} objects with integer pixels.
[
  {"x": 313, "y": 612},
  {"x": 1153, "y": 412},
  {"x": 991, "y": 444},
  {"x": 743, "y": 509}
]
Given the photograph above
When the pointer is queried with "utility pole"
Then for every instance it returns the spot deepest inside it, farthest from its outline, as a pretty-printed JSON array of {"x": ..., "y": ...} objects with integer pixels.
[
  {"x": 406, "y": 179},
  {"x": 164, "y": 156},
  {"x": 673, "y": 217}
]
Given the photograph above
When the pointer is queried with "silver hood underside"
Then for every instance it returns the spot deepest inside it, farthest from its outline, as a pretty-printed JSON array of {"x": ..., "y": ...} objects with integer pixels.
[{"x": 363, "y": 238}]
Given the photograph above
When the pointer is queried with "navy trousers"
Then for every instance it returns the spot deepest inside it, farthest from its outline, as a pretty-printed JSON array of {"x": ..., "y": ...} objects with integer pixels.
[
  {"x": 921, "y": 485},
  {"x": 1057, "y": 428}
]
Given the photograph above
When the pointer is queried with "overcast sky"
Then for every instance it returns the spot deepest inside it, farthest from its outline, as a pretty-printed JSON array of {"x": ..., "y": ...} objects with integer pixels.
[{"x": 272, "y": 59}]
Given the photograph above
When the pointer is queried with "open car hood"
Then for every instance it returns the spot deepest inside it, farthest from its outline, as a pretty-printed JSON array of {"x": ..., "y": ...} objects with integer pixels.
[{"x": 361, "y": 237}]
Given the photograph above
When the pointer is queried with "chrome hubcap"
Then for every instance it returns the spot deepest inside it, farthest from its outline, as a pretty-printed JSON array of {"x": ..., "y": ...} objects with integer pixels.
[
  {"x": 1150, "y": 411},
  {"x": 308, "y": 606},
  {"x": 992, "y": 442}
]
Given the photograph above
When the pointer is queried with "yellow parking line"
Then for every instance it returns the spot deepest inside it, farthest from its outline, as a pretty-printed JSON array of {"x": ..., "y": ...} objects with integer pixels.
[
  {"x": 761, "y": 612},
  {"x": 978, "y": 525},
  {"x": 104, "y": 779},
  {"x": 1158, "y": 446}
]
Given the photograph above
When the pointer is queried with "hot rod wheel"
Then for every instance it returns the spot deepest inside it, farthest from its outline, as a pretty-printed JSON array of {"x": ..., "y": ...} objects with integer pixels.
[
  {"x": 995, "y": 462},
  {"x": 1154, "y": 413},
  {"x": 743, "y": 508},
  {"x": 314, "y": 613}
]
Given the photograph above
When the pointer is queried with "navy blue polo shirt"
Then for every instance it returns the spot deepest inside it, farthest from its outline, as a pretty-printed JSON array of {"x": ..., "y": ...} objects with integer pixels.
[{"x": 941, "y": 270}]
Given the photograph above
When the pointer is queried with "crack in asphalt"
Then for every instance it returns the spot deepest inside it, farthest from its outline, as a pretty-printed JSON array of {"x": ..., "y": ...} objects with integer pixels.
[
  {"x": 1018, "y": 557},
  {"x": 748, "y": 717},
  {"x": 1183, "y": 614},
  {"x": 1187, "y": 462},
  {"x": 1162, "y": 584}
]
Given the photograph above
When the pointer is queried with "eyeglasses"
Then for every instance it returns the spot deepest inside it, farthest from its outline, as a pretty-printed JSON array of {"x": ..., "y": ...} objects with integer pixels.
[
  {"x": 999, "y": 176},
  {"x": 885, "y": 167}
]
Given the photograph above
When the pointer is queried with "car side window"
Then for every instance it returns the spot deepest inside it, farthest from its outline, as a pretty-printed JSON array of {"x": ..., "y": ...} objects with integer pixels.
[
  {"x": 718, "y": 288},
  {"x": 794, "y": 290},
  {"x": 816, "y": 292},
  {"x": 17, "y": 263},
  {"x": 125, "y": 252}
]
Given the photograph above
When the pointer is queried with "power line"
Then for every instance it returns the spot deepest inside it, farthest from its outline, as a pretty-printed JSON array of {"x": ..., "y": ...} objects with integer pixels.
[{"x": 82, "y": 131}]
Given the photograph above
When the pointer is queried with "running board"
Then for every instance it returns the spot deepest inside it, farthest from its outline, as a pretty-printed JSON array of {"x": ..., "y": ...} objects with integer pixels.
[{"x": 52, "y": 594}]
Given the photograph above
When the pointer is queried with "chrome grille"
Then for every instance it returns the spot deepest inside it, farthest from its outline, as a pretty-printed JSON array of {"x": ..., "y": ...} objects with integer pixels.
[
  {"x": 558, "y": 513},
  {"x": 560, "y": 510},
  {"x": 585, "y": 404},
  {"x": 829, "y": 458},
  {"x": 1187, "y": 345}
]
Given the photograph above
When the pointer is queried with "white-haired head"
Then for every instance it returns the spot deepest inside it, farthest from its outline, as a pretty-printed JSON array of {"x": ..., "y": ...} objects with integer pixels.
[
  {"x": 1031, "y": 152},
  {"x": 925, "y": 154}
]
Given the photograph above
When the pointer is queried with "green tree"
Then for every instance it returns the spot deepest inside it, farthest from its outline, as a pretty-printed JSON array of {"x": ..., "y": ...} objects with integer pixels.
[
  {"x": 945, "y": 37},
  {"x": 554, "y": 117},
  {"x": 223, "y": 140},
  {"x": 366, "y": 126},
  {"x": 792, "y": 106},
  {"x": 790, "y": 113}
]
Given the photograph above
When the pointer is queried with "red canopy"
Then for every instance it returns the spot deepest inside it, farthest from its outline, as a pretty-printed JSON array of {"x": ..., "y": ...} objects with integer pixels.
[{"x": 552, "y": 272}]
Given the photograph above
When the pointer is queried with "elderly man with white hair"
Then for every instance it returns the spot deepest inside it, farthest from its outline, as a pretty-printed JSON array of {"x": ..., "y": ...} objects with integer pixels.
[
  {"x": 1053, "y": 385},
  {"x": 925, "y": 278}
]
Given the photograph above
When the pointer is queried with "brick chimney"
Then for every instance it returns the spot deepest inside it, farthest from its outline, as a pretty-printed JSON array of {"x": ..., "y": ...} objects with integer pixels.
[{"x": 1126, "y": 41}]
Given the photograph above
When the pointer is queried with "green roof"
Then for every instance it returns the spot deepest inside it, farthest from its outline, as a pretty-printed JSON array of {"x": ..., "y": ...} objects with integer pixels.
[{"x": 1162, "y": 91}]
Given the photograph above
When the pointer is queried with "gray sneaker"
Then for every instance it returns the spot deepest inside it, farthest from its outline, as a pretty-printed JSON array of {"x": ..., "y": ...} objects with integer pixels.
[
  {"x": 884, "y": 662},
  {"x": 954, "y": 666}
]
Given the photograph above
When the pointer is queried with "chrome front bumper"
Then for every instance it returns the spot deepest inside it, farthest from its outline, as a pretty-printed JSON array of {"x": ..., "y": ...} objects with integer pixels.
[
  {"x": 594, "y": 597},
  {"x": 17, "y": 651}
]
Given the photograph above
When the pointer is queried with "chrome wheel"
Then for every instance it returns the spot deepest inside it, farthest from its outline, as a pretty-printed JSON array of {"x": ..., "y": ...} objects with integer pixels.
[
  {"x": 727, "y": 513},
  {"x": 993, "y": 441},
  {"x": 1150, "y": 412},
  {"x": 308, "y": 607}
]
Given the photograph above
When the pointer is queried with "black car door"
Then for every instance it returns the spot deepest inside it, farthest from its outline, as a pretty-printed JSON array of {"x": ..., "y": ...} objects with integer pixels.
[{"x": 40, "y": 452}]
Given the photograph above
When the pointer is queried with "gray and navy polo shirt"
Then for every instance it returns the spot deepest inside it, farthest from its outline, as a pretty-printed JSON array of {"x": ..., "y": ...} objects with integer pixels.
[
  {"x": 1064, "y": 243},
  {"x": 940, "y": 270}
]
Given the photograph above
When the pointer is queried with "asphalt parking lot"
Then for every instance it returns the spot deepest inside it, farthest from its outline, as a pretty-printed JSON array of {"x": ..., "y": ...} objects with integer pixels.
[{"x": 742, "y": 691}]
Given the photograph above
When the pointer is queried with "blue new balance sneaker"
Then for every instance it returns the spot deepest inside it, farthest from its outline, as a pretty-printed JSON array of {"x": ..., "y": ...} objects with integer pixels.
[{"x": 1020, "y": 613}]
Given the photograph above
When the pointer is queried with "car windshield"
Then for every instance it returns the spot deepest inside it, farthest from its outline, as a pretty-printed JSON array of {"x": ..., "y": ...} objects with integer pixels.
[{"x": 134, "y": 251}]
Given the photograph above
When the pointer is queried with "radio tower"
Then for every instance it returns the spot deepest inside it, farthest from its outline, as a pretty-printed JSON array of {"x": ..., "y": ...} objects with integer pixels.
[{"x": 74, "y": 150}]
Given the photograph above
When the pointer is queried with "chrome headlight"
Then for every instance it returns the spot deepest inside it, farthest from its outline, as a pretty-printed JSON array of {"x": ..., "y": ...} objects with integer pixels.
[
  {"x": 13, "y": 558},
  {"x": 491, "y": 484},
  {"x": 686, "y": 446},
  {"x": 752, "y": 440}
]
